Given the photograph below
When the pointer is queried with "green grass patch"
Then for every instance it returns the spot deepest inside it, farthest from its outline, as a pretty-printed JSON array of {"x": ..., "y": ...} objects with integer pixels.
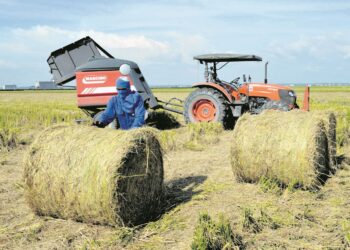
[
  {"x": 8, "y": 138},
  {"x": 24, "y": 111},
  {"x": 168, "y": 140},
  {"x": 255, "y": 224},
  {"x": 169, "y": 221},
  {"x": 322, "y": 89},
  {"x": 202, "y": 134},
  {"x": 346, "y": 231},
  {"x": 249, "y": 223},
  {"x": 268, "y": 185},
  {"x": 91, "y": 244},
  {"x": 215, "y": 235}
]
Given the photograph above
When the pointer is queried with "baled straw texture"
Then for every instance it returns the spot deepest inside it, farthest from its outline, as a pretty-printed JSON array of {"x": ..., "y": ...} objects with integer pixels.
[
  {"x": 95, "y": 175},
  {"x": 289, "y": 147},
  {"x": 330, "y": 123}
]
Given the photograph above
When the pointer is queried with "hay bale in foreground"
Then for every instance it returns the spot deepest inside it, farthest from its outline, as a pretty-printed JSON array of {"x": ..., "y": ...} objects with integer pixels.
[
  {"x": 95, "y": 175},
  {"x": 290, "y": 147}
]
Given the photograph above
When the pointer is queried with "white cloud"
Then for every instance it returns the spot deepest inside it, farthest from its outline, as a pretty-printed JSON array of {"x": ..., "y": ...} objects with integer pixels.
[
  {"x": 29, "y": 48},
  {"x": 41, "y": 40},
  {"x": 50, "y": 38},
  {"x": 7, "y": 65},
  {"x": 345, "y": 49},
  {"x": 321, "y": 47},
  {"x": 167, "y": 34},
  {"x": 184, "y": 47}
]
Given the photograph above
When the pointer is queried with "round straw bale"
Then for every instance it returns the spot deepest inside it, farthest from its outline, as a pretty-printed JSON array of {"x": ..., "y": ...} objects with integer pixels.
[
  {"x": 289, "y": 147},
  {"x": 94, "y": 175},
  {"x": 330, "y": 123}
]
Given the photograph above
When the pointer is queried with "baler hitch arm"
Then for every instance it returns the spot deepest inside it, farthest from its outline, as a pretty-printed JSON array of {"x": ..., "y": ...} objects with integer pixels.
[{"x": 172, "y": 105}]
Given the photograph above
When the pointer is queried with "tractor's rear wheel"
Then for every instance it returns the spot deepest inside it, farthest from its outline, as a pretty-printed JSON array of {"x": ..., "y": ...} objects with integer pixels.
[{"x": 207, "y": 105}]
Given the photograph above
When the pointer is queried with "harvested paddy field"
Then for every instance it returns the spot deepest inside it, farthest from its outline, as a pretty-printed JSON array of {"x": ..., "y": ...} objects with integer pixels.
[{"x": 198, "y": 180}]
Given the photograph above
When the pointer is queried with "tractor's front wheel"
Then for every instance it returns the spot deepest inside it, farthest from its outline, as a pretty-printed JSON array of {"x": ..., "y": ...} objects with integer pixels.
[{"x": 207, "y": 105}]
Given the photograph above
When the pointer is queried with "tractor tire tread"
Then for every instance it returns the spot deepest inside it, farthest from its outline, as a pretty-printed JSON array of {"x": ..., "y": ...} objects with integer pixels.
[{"x": 221, "y": 103}]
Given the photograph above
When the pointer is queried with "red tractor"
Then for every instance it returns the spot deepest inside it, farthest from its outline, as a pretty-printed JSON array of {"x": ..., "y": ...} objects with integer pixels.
[
  {"x": 96, "y": 71},
  {"x": 221, "y": 101}
]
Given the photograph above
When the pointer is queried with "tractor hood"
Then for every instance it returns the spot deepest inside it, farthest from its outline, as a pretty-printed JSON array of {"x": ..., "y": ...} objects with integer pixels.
[
  {"x": 270, "y": 91},
  {"x": 269, "y": 86}
]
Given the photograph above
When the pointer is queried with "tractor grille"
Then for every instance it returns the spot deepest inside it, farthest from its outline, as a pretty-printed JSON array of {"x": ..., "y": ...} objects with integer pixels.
[{"x": 288, "y": 96}]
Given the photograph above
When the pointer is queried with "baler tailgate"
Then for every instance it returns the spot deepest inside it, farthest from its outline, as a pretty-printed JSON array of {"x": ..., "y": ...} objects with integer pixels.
[{"x": 64, "y": 61}]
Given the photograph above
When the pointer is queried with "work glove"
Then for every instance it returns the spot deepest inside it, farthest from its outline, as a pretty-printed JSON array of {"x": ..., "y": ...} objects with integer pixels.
[{"x": 97, "y": 123}]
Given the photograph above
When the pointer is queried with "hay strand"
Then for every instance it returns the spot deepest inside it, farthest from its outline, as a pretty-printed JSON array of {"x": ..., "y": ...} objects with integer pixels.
[{"x": 95, "y": 175}]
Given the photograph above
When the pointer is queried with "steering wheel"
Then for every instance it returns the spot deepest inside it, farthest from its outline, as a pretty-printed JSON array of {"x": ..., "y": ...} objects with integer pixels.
[{"x": 235, "y": 81}]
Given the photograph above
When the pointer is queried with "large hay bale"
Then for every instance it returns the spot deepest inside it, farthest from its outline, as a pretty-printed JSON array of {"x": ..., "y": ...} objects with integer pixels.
[
  {"x": 290, "y": 147},
  {"x": 95, "y": 175},
  {"x": 330, "y": 123}
]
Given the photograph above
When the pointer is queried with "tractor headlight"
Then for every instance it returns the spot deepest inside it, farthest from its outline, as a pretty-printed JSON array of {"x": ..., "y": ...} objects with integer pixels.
[{"x": 291, "y": 93}]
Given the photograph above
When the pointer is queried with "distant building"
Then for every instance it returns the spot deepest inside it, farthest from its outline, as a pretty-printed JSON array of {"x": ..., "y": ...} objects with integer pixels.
[
  {"x": 9, "y": 87},
  {"x": 45, "y": 85}
]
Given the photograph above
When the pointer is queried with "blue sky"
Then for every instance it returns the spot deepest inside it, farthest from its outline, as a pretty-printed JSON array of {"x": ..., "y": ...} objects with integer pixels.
[{"x": 304, "y": 41}]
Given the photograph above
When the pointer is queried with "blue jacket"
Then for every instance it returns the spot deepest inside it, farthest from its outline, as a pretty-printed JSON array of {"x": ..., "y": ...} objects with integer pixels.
[{"x": 129, "y": 111}]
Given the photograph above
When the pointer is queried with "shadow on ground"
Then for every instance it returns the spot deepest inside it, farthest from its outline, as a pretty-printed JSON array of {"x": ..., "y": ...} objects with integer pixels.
[
  {"x": 181, "y": 190},
  {"x": 342, "y": 159},
  {"x": 162, "y": 120}
]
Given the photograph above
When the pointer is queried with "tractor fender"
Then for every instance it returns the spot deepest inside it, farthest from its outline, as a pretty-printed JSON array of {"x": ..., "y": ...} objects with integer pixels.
[{"x": 214, "y": 86}]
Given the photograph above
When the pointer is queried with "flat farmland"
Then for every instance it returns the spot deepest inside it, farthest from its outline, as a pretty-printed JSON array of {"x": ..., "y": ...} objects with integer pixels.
[{"x": 198, "y": 179}]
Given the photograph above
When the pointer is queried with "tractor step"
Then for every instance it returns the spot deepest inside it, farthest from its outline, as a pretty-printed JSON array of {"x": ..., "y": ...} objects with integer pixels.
[
  {"x": 236, "y": 111},
  {"x": 239, "y": 102}
]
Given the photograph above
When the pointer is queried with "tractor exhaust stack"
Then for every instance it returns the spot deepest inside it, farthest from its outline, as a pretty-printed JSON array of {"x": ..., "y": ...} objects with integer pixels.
[{"x": 265, "y": 81}]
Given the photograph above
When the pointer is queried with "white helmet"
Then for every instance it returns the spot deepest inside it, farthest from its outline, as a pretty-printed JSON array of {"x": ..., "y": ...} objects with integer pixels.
[{"x": 125, "y": 69}]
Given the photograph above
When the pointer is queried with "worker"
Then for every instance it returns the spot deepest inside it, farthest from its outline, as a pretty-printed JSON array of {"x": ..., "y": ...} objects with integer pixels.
[{"x": 127, "y": 107}]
